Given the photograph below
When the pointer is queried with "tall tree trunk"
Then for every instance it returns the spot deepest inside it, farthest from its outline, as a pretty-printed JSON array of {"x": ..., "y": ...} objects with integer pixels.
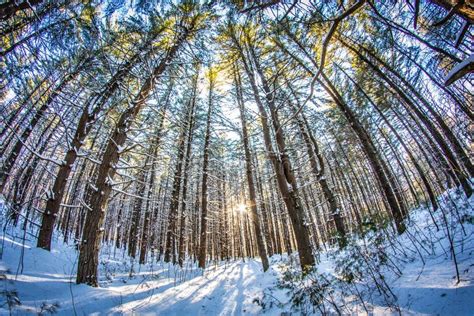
[
  {"x": 266, "y": 214},
  {"x": 417, "y": 166},
  {"x": 187, "y": 160},
  {"x": 151, "y": 187},
  {"x": 18, "y": 146},
  {"x": 382, "y": 173},
  {"x": 24, "y": 180},
  {"x": 455, "y": 144},
  {"x": 205, "y": 170},
  {"x": 89, "y": 249},
  {"x": 186, "y": 130},
  {"x": 397, "y": 210},
  {"x": 85, "y": 124},
  {"x": 427, "y": 123},
  {"x": 250, "y": 176},
  {"x": 282, "y": 166},
  {"x": 14, "y": 114},
  {"x": 134, "y": 232},
  {"x": 313, "y": 151}
]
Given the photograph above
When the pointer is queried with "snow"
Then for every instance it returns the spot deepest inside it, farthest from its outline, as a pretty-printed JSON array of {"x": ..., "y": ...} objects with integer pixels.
[
  {"x": 290, "y": 187},
  {"x": 431, "y": 287},
  {"x": 49, "y": 278},
  {"x": 427, "y": 285},
  {"x": 93, "y": 187},
  {"x": 50, "y": 194},
  {"x": 121, "y": 149}
]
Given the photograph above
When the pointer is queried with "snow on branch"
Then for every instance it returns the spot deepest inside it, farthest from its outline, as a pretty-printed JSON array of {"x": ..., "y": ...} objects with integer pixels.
[{"x": 460, "y": 70}]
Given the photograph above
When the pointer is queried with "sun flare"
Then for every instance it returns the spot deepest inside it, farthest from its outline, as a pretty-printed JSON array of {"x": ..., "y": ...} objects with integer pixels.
[{"x": 242, "y": 208}]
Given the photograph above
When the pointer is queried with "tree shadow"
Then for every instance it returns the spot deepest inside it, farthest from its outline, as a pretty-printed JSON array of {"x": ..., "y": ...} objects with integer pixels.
[{"x": 429, "y": 301}]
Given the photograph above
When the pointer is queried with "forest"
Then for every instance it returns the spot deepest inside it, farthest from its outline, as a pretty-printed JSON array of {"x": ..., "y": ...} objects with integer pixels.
[{"x": 280, "y": 157}]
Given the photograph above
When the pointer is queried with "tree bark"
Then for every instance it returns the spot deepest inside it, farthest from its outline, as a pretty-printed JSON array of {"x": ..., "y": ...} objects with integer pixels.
[
  {"x": 204, "y": 186},
  {"x": 186, "y": 130},
  {"x": 89, "y": 249},
  {"x": 187, "y": 160},
  {"x": 397, "y": 210},
  {"x": 281, "y": 164},
  {"x": 151, "y": 187},
  {"x": 312, "y": 149},
  {"x": 250, "y": 176},
  {"x": 85, "y": 124},
  {"x": 14, "y": 153}
]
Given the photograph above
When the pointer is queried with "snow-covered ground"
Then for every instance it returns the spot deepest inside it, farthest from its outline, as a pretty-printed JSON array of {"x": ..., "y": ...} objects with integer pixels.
[
  {"x": 427, "y": 286},
  {"x": 226, "y": 289}
]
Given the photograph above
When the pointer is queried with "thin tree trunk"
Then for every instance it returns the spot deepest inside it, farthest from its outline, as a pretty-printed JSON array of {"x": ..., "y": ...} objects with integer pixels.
[
  {"x": 204, "y": 186},
  {"x": 154, "y": 152},
  {"x": 187, "y": 160},
  {"x": 14, "y": 153},
  {"x": 312, "y": 149},
  {"x": 426, "y": 122}
]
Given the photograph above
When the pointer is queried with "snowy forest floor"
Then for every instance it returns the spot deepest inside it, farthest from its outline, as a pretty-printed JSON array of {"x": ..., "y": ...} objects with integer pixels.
[{"x": 427, "y": 284}]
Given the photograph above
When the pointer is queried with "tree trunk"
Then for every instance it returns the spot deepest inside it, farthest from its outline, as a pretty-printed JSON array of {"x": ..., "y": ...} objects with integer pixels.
[
  {"x": 204, "y": 186},
  {"x": 250, "y": 176},
  {"x": 312, "y": 149},
  {"x": 426, "y": 122},
  {"x": 186, "y": 130},
  {"x": 89, "y": 249},
  {"x": 370, "y": 151},
  {"x": 187, "y": 159},
  {"x": 382, "y": 173},
  {"x": 154, "y": 151},
  {"x": 12, "y": 157},
  {"x": 282, "y": 168},
  {"x": 88, "y": 116}
]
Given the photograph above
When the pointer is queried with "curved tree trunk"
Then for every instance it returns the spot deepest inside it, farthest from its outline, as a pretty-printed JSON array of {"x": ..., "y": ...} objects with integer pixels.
[
  {"x": 417, "y": 166},
  {"x": 454, "y": 142},
  {"x": 390, "y": 191},
  {"x": 383, "y": 175},
  {"x": 425, "y": 121}
]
